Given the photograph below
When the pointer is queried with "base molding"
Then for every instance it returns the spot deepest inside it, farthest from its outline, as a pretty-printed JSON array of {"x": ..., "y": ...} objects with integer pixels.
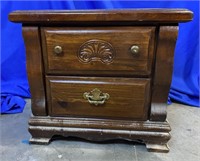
[{"x": 154, "y": 134}]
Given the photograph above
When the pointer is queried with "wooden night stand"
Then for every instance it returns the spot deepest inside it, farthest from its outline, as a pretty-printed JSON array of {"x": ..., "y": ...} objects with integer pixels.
[{"x": 101, "y": 74}]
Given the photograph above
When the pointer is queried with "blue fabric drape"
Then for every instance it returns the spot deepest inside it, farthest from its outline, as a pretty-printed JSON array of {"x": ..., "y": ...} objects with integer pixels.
[{"x": 14, "y": 84}]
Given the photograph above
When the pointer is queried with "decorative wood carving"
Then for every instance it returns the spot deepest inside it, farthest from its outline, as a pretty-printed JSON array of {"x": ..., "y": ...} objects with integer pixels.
[{"x": 96, "y": 50}]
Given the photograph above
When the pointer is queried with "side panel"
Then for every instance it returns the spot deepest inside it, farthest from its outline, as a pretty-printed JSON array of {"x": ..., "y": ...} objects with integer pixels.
[
  {"x": 35, "y": 70},
  {"x": 163, "y": 71}
]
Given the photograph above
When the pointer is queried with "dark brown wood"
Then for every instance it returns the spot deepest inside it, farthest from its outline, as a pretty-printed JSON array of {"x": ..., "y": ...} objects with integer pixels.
[
  {"x": 102, "y": 123},
  {"x": 110, "y": 46},
  {"x": 154, "y": 134},
  {"x": 106, "y": 74},
  {"x": 163, "y": 71},
  {"x": 90, "y": 16},
  {"x": 35, "y": 70},
  {"x": 128, "y": 97}
]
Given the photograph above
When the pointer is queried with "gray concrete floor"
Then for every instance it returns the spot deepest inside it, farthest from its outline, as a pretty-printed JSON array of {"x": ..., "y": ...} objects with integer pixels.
[{"x": 184, "y": 144}]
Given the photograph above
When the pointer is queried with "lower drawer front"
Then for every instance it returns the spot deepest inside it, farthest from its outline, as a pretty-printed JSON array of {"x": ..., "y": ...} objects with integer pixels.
[{"x": 125, "y": 98}]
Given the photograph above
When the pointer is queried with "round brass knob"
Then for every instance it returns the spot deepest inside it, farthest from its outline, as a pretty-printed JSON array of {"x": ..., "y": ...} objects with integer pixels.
[
  {"x": 58, "y": 50},
  {"x": 135, "y": 49}
]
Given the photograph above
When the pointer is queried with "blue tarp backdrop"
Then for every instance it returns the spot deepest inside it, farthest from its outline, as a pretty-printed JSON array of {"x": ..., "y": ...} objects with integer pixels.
[{"x": 14, "y": 84}]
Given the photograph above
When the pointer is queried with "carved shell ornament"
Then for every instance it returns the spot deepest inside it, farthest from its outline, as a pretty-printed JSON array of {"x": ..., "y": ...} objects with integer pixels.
[{"x": 96, "y": 50}]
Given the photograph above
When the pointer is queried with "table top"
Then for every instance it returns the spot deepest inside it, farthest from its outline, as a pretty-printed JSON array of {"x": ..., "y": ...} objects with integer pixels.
[{"x": 119, "y": 15}]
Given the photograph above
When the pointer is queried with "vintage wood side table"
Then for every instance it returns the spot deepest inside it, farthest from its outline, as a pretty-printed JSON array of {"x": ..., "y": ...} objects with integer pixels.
[{"x": 101, "y": 74}]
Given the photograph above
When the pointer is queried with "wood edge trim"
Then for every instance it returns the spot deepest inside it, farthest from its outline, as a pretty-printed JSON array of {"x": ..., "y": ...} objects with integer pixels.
[{"x": 179, "y": 15}]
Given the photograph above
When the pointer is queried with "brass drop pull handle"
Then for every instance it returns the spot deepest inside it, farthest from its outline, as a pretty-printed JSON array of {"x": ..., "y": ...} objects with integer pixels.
[
  {"x": 58, "y": 50},
  {"x": 96, "y": 97},
  {"x": 135, "y": 49}
]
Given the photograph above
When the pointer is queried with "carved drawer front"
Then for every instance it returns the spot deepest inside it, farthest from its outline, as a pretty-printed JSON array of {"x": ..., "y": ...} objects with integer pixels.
[
  {"x": 98, "y": 50},
  {"x": 126, "y": 98}
]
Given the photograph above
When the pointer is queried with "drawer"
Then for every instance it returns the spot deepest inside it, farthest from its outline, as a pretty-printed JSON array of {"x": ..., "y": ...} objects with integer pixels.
[
  {"x": 98, "y": 50},
  {"x": 125, "y": 98}
]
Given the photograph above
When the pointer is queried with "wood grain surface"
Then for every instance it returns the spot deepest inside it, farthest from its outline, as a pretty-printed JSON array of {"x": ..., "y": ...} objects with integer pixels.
[
  {"x": 35, "y": 70},
  {"x": 90, "y": 16},
  {"x": 163, "y": 72},
  {"x": 124, "y": 62},
  {"x": 129, "y": 98}
]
